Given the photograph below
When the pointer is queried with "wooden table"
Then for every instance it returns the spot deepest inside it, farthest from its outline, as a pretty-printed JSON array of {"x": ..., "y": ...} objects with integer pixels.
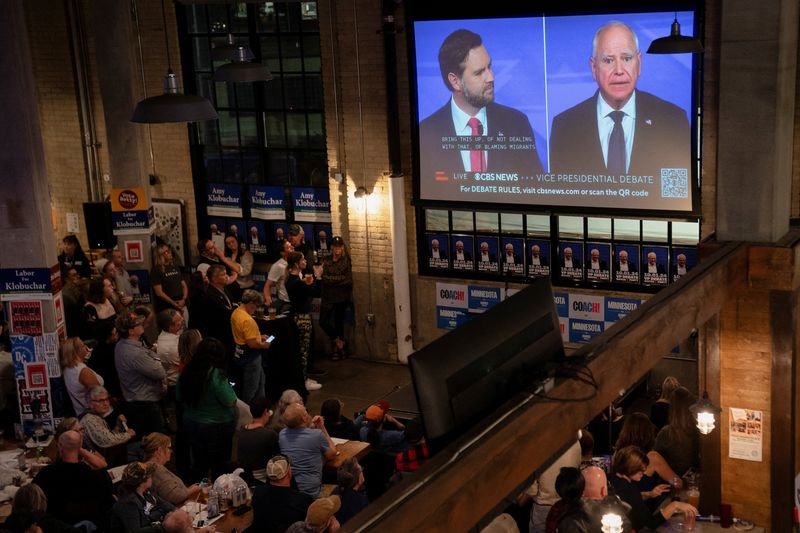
[
  {"x": 229, "y": 521},
  {"x": 351, "y": 448},
  {"x": 701, "y": 527}
]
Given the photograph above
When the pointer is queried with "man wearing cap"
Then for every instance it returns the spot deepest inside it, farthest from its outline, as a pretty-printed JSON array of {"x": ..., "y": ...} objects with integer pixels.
[
  {"x": 249, "y": 342},
  {"x": 277, "y": 505},
  {"x": 320, "y": 517},
  {"x": 138, "y": 507},
  {"x": 141, "y": 376},
  {"x": 307, "y": 443},
  {"x": 74, "y": 491}
]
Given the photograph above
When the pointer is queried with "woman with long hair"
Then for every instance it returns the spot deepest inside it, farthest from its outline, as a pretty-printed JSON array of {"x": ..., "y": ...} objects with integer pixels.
[
  {"x": 639, "y": 431},
  {"x": 157, "y": 449},
  {"x": 169, "y": 287},
  {"x": 678, "y": 441},
  {"x": 337, "y": 296},
  {"x": 209, "y": 407},
  {"x": 659, "y": 411},
  {"x": 78, "y": 377},
  {"x": 302, "y": 289},
  {"x": 98, "y": 308},
  {"x": 628, "y": 466}
]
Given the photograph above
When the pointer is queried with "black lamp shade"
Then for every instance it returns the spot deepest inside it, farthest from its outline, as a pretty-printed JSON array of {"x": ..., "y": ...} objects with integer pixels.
[
  {"x": 675, "y": 43},
  {"x": 173, "y": 108}
]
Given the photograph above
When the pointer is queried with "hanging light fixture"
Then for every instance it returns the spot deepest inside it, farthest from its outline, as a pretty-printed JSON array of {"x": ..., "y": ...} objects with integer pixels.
[
  {"x": 703, "y": 410},
  {"x": 172, "y": 106},
  {"x": 675, "y": 43},
  {"x": 241, "y": 69},
  {"x": 613, "y": 510},
  {"x": 227, "y": 50}
]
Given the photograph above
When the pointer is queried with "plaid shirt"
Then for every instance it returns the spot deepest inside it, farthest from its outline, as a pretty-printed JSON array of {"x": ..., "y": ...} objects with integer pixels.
[{"x": 411, "y": 459}]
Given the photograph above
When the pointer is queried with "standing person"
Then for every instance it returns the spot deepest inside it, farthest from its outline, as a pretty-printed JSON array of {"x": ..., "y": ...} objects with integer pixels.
[
  {"x": 102, "y": 359},
  {"x": 209, "y": 406},
  {"x": 246, "y": 261},
  {"x": 78, "y": 377},
  {"x": 168, "y": 285},
  {"x": 233, "y": 253},
  {"x": 119, "y": 298},
  {"x": 198, "y": 282},
  {"x": 215, "y": 315},
  {"x": 211, "y": 255},
  {"x": 98, "y": 309},
  {"x": 297, "y": 237},
  {"x": 249, "y": 342},
  {"x": 337, "y": 296},
  {"x": 543, "y": 489},
  {"x": 141, "y": 376},
  {"x": 73, "y": 256},
  {"x": 275, "y": 294},
  {"x": 122, "y": 281},
  {"x": 659, "y": 411},
  {"x": 170, "y": 323},
  {"x": 678, "y": 441},
  {"x": 301, "y": 291},
  {"x": 256, "y": 442}
]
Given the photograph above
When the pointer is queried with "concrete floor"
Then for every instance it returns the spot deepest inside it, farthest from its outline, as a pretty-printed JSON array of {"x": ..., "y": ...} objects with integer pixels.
[{"x": 358, "y": 383}]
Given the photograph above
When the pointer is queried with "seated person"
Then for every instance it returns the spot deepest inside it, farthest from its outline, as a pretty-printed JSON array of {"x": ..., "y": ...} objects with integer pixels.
[
  {"x": 30, "y": 501},
  {"x": 410, "y": 459},
  {"x": 628, "y": 466},
  {"x": 569, "y": 486},
  {"x": 138, "y": 507},
  {"x": 320, "y": 517},
  {"x": 338, "y": 425},
  {"x": 87, "y": 453},
  {"x": 350, "y": 484},
  {"x": 256, "y": 441},
  {"x": 382, "y": 431},
  {"x": 308, "y": 445},
  {"x": 277, "y": 505},
  {"x": 75, "y": 492},
  {"x": 586, "y": 515},
  {"x": 97, "y": 430},
  {"x": 157, "y": 449}
]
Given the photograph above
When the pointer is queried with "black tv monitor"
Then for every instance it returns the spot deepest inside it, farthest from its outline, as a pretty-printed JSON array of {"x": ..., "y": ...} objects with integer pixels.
[
  {"x": 466, "y": 374},
  {"x": 539, "y": 108}
]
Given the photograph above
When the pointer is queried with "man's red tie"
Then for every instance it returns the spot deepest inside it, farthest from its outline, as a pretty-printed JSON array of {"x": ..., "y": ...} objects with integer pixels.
[{"x": 477, "y": 161}]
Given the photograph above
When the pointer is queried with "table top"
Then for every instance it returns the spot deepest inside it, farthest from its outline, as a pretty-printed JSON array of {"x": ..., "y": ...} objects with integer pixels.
[
  {"x": 675, "y": 523},
  {"x": 230, "y": 521},
  {"x": 351, "y": 448}
]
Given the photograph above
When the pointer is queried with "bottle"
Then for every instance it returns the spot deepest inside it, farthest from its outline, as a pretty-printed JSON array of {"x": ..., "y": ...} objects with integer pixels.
[
  {"x": 213, "y": 504},
  {"x": 224, "y": 498}
]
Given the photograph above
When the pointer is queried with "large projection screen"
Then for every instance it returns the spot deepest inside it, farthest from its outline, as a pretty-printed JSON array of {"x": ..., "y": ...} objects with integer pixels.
[{"x": 544, "y": 98}]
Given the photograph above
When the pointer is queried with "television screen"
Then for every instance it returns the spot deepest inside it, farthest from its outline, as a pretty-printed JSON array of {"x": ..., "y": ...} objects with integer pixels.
[
  {"x": 464, "y": 375},
  {"x": 555, "y": 111}
]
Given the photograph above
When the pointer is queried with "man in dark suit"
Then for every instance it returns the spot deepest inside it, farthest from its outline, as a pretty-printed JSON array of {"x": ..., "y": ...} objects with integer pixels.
[
  {"x": 511, "y": 258},
  {"x": 619, "y": 130},
  {"x": 537, "y": 259},
  {"x": 596, "y": 262},
  {"x": 217, "y": 308},
  {"x": 436, "y": 252},
  {"x": 623, "y": 265},
  {"x": 652, "y": 266},
  {"x": 485, "y": 256},
  {"x": 466, "y": 70},
  {"x": 460, "y": 254},
  {"x": 568, "y": 261}
]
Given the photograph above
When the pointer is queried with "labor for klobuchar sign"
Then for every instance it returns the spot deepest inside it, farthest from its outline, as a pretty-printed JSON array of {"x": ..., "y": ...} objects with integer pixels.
[{"x": 746, "y": 435}]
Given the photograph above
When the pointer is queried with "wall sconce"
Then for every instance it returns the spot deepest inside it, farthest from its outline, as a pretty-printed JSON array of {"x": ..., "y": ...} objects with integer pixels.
[{"x": 705, "y": 413}]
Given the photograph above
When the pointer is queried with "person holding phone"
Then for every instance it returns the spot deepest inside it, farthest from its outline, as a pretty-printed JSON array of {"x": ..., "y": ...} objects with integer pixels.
[{"x": 249, "y": 343}]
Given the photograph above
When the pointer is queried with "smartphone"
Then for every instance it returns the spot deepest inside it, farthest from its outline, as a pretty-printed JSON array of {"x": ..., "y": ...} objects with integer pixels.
[
  {"x": 270, "y": 339},
  {"x": 241, "y": 510}
]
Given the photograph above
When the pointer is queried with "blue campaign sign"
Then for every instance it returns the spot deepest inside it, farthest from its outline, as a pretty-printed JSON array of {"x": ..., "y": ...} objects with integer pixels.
[
  {"x": 266, "y": 203},
  {"x": 584, "y": 330},
  {"x": 450, "y": 317},
  {"x": 482, "y": 299},
  {"x": 619, "y": 308},
  {"x": 311, "y": 205},
  {"x": 561, "y": 300},
  {"x": 24, "y": 281},
  {"x": 132, "y": 222},
  {"x": 23, "y": 350},
  {"x": 224, "y": 200}
]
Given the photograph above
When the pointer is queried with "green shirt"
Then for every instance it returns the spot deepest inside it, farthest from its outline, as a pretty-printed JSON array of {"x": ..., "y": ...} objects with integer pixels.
[{"x": 217, "y": 403}]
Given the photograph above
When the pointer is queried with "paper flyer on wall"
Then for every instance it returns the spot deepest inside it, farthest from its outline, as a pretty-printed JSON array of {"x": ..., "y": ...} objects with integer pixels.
[{"x": 746, "y": 437}]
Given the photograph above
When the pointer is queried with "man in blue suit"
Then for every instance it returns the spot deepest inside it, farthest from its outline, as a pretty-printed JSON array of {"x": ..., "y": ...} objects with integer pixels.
[
  {"x": 619, "y": 130},
  {"x": 466, "y": 69}
]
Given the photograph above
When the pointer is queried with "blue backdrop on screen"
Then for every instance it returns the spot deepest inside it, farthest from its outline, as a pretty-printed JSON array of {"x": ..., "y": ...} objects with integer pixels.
[{"x": 541, "y": 68}]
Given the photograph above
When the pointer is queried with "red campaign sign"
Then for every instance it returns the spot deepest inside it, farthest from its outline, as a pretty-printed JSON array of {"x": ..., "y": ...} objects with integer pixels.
[
  {"x": 27, "y": 396},
  {"x": 55, "y": 278},
  {"x": 26, "y": 318},
  {"x": 36, "y": 375},
  {"x": 133, "y": 251}
]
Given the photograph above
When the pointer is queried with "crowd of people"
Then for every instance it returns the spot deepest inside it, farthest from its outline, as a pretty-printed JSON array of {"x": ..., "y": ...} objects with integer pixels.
[
  {"x": 648, "y": 467},
  {"x": 189, "y": 374}
]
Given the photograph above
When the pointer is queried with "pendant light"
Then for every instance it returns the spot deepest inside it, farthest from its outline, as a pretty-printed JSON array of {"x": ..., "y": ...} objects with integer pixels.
[
  {"x": 675, "y": 43},
  {"x": 241, "y": 69},
  {"x": 227, "y": 50},
  {"x": 172, "y": 106},
  {"x": 703, "y": 410}
]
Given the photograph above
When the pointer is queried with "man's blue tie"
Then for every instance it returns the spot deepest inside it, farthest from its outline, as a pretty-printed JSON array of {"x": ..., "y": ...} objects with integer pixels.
[{"x": 616, "y": 146}]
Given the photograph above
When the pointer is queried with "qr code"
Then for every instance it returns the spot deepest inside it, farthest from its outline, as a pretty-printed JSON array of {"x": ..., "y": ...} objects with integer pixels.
[{"x": 674, "y": 183}]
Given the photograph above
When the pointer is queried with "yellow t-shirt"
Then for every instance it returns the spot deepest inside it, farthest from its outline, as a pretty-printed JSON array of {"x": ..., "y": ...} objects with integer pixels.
[{"x": 243, "y": 326}]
